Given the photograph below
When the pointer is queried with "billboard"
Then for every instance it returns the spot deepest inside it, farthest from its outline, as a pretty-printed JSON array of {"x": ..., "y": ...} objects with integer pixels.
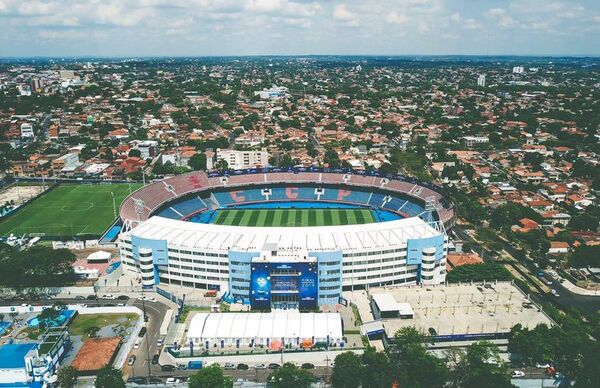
[{"x": 294, "y": 282}]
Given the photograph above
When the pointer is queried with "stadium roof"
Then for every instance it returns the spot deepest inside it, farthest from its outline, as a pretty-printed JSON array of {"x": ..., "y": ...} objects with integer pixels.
[
  {"x": 275, "y": 325},
  {"x": 313, "y": 238}
]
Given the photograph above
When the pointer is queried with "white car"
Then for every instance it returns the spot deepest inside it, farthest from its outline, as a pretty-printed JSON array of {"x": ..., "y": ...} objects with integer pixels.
[
  {"x": 517, "y": 374},
  {"x": 109, "y": 296},
  {"x": 260, "y": 366},
  {"x": 173, "y": 380},
  {"x": 136, "y": 345},
  {"x": 542, "y": 365},
  {"x": 147, "y": 299}
]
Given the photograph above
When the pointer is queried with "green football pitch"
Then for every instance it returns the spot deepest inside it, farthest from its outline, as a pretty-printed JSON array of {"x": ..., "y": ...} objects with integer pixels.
[
  {"x": 68, "y": 210},
  {"x": 293, "y": 217}
]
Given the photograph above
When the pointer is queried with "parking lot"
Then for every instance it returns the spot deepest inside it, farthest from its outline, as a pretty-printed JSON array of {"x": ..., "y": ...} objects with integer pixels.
[{"x": 464, "y": 309}]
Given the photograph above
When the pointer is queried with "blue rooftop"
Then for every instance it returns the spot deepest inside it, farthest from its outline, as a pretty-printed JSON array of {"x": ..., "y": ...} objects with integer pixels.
[{"x": 12, "y": 356}]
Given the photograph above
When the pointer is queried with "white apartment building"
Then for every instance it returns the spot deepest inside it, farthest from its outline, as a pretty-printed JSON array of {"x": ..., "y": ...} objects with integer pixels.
[{"x": 239, "y": 160}]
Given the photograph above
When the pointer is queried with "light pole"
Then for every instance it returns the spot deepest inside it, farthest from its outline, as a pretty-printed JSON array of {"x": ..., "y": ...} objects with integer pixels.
[{"x": 146, "y": 333}]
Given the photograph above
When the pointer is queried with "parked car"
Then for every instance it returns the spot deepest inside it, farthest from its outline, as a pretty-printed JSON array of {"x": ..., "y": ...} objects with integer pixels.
[
  {"x": 172, "y": 380},
  {"x": 142, "y": 332},
  {"x": 242, "y": 367},
  {"x": 260, "y": 366},
  {"x": 131, "y": 360},
  {"x": 551, "y": 371},
  {"x": 136, "y": 345},
  {"x": 80, "y": 297},
  {"x": 90, "y": 297},
  {"x": 229, "y": 366},
  {"x": 123, "y": 297},
  {"x": 155, "y": 380},
  {"x": 109, "y": 296},
  {"x": 542, "y": 365},
  {"x": 273, "y": 365},
  {"x": 160, "y": 342},
  {"x": 167, "y": 368},
  {"x": 307, "y": 365},
  {"x": 155, "y": 359},
  {"x": 517, "y": 373}
]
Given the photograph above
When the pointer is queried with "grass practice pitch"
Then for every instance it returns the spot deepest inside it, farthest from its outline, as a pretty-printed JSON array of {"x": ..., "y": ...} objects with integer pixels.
[
  {"x": 293, "y": 217},
  {"x": 68, "y": 210}
]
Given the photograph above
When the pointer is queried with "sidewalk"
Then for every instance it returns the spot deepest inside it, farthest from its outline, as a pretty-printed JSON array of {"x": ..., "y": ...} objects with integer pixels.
[
  {"x": 318, "y": 358},
  {"x": 578, "y": 290}
]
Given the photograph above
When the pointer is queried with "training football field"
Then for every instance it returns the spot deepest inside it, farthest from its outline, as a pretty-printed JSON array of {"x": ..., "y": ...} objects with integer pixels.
[
  {"x": 293, "y": 217},
  {"x": 68, "y": 210}
]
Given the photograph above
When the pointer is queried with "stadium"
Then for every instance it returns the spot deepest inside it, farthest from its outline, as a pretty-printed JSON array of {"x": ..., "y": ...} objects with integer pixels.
[{"x": 292, "y": 238}]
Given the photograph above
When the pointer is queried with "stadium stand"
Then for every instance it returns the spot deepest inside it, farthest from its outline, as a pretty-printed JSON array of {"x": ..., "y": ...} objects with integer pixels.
[
  {"x": 376, "y": 200},
  {"x": 154, "y": 195},
  {"x": 170, "y": 213},
  {"x": 189, "y": 206}
]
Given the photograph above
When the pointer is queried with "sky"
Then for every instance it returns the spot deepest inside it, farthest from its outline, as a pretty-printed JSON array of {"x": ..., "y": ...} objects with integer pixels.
[{"x": 298, "y": 27}]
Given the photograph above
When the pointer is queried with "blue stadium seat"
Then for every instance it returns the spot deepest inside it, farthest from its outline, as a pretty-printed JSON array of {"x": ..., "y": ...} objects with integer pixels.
[
  {"x": 376, "y": 200},
  {"x": 395, "y": 204},
  {"x": 253, "y": 195},
  {"x": 358, "y": 197},
  {"x": 189, "y": 206},
  {"x": 330, "y": 194},
  {"x": 412, "y": 209},
  {"x": 224, "y": 199},
  {"x": 169, "y": 213}
]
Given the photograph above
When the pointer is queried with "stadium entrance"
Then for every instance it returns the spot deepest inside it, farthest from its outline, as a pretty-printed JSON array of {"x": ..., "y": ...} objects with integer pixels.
[{"x": 290, "y": 285}]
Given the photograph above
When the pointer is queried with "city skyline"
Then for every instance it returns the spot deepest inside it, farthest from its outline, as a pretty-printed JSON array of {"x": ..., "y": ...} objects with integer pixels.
[{"x": 285, "y": 27}]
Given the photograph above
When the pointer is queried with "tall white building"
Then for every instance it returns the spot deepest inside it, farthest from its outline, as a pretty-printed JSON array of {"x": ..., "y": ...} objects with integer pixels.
[
  {"x": 239, "y": 160},
  {"x": 481, "y": 80},
  {"x": 27, "y": 131},
  {"x": 518, "y": 70}
]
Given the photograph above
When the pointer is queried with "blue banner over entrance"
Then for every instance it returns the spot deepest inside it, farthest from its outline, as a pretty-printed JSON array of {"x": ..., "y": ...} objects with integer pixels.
[{"x": 284, "y": 285}]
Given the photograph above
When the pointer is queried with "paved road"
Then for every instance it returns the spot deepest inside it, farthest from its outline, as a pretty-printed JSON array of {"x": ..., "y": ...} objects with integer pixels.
[
  {"x": 567, "y": 299},
  {"x": 148, "y": 347}
]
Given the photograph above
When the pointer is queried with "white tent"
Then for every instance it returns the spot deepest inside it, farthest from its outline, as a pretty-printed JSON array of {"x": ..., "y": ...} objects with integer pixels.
[{"x": 261, "y": 328}]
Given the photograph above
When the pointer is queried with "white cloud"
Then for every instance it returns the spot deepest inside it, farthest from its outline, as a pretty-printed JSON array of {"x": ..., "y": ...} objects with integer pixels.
[
  {"x": 396, "y": 18},
  {"x": 423, "y": 28},
  {"x": 500, "y": 16},
  {"x": 455, "y": 17},
  {"x": 342, "y": 14}
]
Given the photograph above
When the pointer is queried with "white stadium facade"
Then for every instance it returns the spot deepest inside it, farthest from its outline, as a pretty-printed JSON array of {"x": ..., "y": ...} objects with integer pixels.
[{"x": 168, "y": 236}]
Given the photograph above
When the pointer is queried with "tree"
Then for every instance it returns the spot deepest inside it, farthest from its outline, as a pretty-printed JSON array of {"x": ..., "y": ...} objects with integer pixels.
[
  {"x": 480, "y": 366},
  {"x": 109, "y": 377},
  {"x": 289, "y": 375},
  {"x": 478, "y": 273},
  {"x": 48, "y": 315},
  {"x": 210, "y": 377},
  {"x": 535, "y": 345},
  {"x": 377, "y": 369},
  {"x": 135, "y": 153},
  {"x": 412, "y": 366},
  {"x": 92, "y": 332},
  {"x": 36, "y": 266},
  {"x": 197, "y": 162},
  {"x": 348, "y": 371},
  {"x": 585, "y": 256},
  {"x": 67, "y": 376},
  {"x": 221, "y": 165}
]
